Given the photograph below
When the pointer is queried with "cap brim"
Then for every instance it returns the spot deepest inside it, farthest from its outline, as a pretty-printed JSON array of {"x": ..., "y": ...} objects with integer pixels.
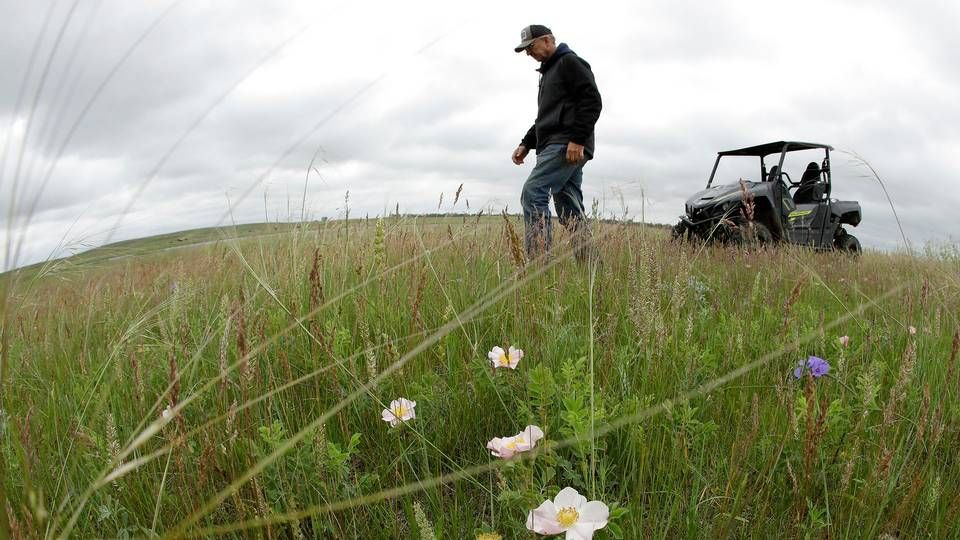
[{"x": 523, "y": 45}]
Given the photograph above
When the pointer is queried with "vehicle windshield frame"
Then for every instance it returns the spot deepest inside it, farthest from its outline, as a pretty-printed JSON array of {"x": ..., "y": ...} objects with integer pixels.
[{"x": 764, "y": 150}]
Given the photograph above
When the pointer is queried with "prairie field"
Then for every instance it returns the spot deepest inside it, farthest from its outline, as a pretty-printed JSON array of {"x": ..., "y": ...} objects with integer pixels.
[{"x": 238, "y": 387}]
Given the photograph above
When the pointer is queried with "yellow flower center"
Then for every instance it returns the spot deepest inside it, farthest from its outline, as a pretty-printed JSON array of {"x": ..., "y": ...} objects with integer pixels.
[
  {"x": 400, "y": 411},
  {"x": 512, "y": 445},
  {"x": 504, "y": 361},
  {"x": 566, "y": 517}
]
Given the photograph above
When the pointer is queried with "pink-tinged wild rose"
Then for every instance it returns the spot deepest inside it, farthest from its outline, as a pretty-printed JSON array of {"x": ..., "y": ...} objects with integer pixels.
[
  {"x": 506, "y": 447},
  {"x": 508, "y": 359},
  {"x": 401, "y": 410},
  {"x": 570, "y": 513}
]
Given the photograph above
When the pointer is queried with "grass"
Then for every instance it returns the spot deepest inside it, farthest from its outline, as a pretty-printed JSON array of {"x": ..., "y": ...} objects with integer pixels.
[{"x": 662, "y": 378}]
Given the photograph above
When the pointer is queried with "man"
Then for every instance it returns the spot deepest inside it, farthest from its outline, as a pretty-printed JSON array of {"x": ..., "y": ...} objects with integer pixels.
[{"x": 568, "y": 106}]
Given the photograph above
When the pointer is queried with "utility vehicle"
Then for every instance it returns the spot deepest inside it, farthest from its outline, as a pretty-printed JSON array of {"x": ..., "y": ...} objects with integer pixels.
[{"x": 775, "y": 207}]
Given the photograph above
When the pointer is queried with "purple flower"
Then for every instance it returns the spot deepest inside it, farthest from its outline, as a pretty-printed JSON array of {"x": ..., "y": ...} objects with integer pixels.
[
  {"x": 798, "y": 371},
  {"x": 818, "y": 367}
]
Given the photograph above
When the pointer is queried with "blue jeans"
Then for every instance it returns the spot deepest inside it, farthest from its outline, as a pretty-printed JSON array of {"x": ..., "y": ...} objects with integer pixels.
[{"x": 552, "y": 176}]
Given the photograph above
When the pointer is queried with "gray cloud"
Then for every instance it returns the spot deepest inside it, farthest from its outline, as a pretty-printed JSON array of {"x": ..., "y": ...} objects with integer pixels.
[{"x": 680, "y": 82}]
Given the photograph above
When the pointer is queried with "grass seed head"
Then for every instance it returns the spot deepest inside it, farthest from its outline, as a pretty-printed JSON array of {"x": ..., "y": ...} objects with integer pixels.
[
  {"x": 423, "y": 523},
  {"x": 516, "y": 246}
]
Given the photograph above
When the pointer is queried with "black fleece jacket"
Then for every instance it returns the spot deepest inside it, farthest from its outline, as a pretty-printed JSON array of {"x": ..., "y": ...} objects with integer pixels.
[{"x": 568, "y": 103}]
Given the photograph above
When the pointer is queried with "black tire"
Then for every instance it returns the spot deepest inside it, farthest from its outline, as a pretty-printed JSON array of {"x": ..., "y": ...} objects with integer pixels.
[
  {"x": 754, "y": 233},
  {"x": 679, "y": 231},
  {"x": 848, "y": 243}
]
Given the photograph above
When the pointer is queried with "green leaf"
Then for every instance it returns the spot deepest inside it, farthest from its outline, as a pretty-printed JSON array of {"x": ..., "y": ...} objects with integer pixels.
[{"x": 354, "y": 442}]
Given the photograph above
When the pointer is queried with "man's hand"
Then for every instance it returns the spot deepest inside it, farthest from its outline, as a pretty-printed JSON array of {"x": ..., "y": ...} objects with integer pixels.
[
  {"x": 519, "y": 154},
  {"x": 574, "y": 153}
]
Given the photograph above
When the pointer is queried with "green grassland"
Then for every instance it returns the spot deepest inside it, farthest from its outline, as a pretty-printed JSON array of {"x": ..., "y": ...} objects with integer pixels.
[{"x": 661, "y": 374}]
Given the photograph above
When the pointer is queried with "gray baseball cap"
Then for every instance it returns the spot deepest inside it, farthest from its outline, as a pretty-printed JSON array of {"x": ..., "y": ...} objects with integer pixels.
[{"x": 529, "y": 34}]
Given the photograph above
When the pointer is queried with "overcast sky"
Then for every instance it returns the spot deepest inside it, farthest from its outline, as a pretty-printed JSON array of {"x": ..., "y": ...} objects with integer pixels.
[{"x": 188, "y": 114}]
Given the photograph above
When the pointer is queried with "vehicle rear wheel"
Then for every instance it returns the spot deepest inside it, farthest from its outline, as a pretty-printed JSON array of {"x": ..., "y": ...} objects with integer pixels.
[{"x": 847, "y": 243}]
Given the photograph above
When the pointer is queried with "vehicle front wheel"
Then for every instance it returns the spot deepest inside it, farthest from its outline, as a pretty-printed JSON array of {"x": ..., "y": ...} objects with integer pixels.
[
  {"x": 679, "y": 231},
  {"x": 847, "y": 243},
  {"x": 751, "y": 233}
]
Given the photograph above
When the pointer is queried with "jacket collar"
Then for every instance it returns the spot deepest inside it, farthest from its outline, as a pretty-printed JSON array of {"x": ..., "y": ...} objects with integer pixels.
[{"x": 562, "y": 50}]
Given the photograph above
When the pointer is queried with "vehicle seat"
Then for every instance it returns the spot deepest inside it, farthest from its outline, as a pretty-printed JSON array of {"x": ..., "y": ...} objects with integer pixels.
[
  {"x": 774, "y": 174},
  {"x": 811, "y": 189}
]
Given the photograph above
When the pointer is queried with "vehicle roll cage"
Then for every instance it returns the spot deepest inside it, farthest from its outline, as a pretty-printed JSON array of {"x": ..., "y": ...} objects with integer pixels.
[{"x": 778, "y": 147}]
